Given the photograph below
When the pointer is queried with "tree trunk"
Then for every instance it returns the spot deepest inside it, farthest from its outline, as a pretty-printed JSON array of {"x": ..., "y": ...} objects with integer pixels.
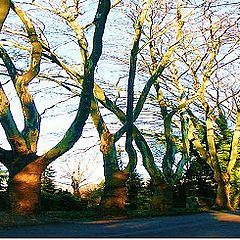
[
  {"x": 4, "y": 10},
  {"x": 221, "y": 200},
  {"x": 223, "y": 195},
  {"x": 115, "y": 194},
  {"x": 115, "y": 191},
  {"x": 24, "y": 190},
  {"x": 162, "y": 200}
]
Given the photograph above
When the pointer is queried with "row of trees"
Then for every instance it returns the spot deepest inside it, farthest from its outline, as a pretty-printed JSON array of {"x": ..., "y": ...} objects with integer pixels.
[{"x": 179, "y": 69}]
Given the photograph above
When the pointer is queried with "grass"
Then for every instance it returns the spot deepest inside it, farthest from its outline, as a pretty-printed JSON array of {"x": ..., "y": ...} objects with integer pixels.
[{"x": 8, "y": 220}]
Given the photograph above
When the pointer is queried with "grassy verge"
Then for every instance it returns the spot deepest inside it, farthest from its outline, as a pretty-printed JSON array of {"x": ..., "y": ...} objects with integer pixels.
[{"x": 8, "y": 220}]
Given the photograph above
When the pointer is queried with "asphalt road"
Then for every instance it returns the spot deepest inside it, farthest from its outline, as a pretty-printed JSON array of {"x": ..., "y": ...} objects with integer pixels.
[{"x": 215, "y": 224}]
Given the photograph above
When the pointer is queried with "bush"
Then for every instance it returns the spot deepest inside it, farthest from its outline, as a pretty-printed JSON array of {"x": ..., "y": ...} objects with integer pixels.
[
  {"x": 139, "y": 196},
  {"x": 61, "y": 201},
  {"x": 93, "y": 196},
  {"x": 4, "y": 203}
]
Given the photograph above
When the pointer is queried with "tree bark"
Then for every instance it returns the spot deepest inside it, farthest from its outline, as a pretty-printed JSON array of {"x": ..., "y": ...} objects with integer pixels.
[
  {"x": 24, "y": 190},
  {"x": 223, "y": 198},
  {"x": 115, "y": 191},
  {"x": 162, "y": 200},
  {"x": 115, "y": 194},
  {"x": 4, "y": 10}
]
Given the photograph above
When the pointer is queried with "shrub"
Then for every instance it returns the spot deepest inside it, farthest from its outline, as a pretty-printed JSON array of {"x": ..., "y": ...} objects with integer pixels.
[
  {"x": 61, "y": 201},
  {"x": 4, "y": 203}
]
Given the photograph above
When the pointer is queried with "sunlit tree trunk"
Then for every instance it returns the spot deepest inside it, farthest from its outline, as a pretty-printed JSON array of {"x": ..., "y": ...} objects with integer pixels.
[
  {"x": 163, "y": 193},
  {"x": 115, "y": 193},
  {"x": 226, "y": 197},
  {"x": 24, "y": 189},
  {"x": 4, "y": 10},
  {"x": 112, "y": 198},
  {"x": 233, "y": 199},
  {"x": 222, "y": 198}
]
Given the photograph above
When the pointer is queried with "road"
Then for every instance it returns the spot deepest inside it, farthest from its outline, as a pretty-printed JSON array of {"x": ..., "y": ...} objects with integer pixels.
[{"x": 215, "y": 224}]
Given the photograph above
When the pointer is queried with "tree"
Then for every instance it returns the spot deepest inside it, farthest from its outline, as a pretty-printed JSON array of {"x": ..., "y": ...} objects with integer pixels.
[
  {"x": 77, "y": 170},
  {"x": 178, "y": 88},
  {"x": 115, "y": 187},
  {"x": 3, "y": 179},
  {"x": 132, "y": 114},
  {"x": 115, "y": 193},
  {"x": 134, "y": 185},
  {"x": 156, "y": 65},
  {"x": 24, "y": 165},
  {"x": 179, "y": 64},
  {"x": 48, "y": 177},
  {"x": 210, "y": 132}
]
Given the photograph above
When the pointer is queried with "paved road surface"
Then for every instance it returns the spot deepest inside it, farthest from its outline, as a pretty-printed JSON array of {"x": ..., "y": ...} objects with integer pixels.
[{"x": 215, "y": 224}]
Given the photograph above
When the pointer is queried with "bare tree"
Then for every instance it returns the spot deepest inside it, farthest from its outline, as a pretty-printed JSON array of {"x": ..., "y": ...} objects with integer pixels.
[{"x": 24, "y": 165}]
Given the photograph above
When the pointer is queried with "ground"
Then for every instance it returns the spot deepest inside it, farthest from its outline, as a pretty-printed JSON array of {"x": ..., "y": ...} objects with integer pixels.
[{"x": 208, "y": 224}]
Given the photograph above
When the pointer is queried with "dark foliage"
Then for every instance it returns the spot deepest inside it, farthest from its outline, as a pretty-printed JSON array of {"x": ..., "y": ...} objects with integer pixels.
[
  {"x": 48, "y": 177},
  {"x": 198, "y": 182},
  {"x": 3, "y": 178},
  {"x": 138, "y": 192},
  {"x": 200, "y": 179},
  {"x": 93, "y": 196},
  {"x": 4, "y": 201},
  {"x": 61, "y": 201}
]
